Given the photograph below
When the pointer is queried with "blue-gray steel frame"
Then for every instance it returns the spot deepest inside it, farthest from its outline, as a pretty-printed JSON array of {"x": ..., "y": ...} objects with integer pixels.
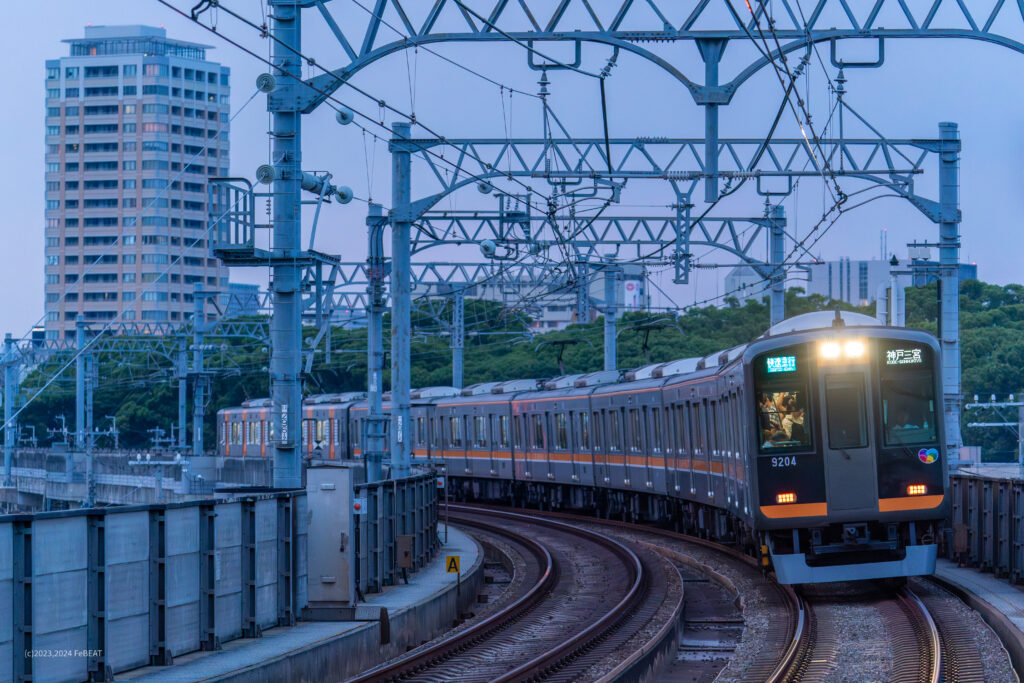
[{"x": 672, "y": 23}]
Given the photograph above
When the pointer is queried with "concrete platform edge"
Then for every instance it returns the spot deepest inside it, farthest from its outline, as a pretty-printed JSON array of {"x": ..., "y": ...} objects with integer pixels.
[
  {"x": 1010, "y": 636},
  {"x": 350, "y": 653}
]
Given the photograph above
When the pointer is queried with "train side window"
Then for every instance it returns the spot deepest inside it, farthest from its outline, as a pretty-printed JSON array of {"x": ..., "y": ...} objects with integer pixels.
[
  {"x": 538, "y": 431},
  {"x": 561, "y": 432},
  {"x": 584, "y": 431},
  {"x": 479, "y": 431},
  {"x": 596, "y": 422},
  {"x": 455, "y": 431},
  {"x": 847, "y": 422},
  {"x": 421, "y": 428},
  {"x": 656, "y": 430},
  {"x": 614, "y": 431},
  {"x": 636, "y": 430},
  {"x": 681, "y": 430},
  {"x": 503, "y": 430}
]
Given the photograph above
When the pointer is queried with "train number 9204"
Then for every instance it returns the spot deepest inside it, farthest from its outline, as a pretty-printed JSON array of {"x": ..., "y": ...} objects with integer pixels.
[{"x": 784, "y": 461}]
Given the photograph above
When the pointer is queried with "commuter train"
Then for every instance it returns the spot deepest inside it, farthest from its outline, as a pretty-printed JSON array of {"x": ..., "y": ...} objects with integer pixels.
[{"x": 819, "y": 447}]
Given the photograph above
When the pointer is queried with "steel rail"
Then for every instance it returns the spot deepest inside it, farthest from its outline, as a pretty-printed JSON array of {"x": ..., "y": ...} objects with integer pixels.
[
  {"x": 800, "y": 638},
  {"x": 917, "y": 610},
  {"x": 575, "y": 645},
  {"x": 450, "y": 646}
]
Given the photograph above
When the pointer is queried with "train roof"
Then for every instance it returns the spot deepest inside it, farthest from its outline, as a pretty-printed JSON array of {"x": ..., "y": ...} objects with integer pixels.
[{"x": 818, "y": 320}]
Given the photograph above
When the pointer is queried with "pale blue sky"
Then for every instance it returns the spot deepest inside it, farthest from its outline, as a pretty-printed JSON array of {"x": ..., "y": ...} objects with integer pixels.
[{"x": 922, "y": 83}]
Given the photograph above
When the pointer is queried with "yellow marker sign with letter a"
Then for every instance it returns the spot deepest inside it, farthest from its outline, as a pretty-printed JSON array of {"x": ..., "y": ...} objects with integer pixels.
[{"x": 451, "y": 563}]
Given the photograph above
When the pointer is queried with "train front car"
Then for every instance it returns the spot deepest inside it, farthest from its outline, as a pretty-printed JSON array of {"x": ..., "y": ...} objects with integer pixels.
[{"x": 849, "y": 440}]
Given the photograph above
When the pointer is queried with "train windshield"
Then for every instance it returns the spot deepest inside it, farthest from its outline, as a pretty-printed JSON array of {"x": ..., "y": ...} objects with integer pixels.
[
  {"x": 783, "y": 422},
  {"x": 907, "y": 387}
]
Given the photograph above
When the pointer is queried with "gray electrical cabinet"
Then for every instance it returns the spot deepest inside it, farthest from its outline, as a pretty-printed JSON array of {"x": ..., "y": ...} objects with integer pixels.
[{"x": 331, "y": 552}]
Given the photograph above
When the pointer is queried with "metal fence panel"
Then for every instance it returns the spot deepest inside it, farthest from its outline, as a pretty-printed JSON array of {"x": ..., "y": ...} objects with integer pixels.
[
  {"x": 59, "y": 596},
  {"x": 266, "y": 563},
  {"x": 127, "y": 589},
  {"x": 182, "y": 586},
  {"x": 301, "y": 558},
  {"x": 6, "y": 601},
  {"x": 228, "y": 570}
]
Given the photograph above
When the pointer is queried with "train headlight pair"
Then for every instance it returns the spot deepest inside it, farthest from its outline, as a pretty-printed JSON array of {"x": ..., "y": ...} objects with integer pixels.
[{"x": 851, "y": 348}]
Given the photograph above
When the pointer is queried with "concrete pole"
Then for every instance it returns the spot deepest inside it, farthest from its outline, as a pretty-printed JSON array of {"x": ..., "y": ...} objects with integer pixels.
[
  {"x": 949, "y": 280},
  {"x": 375, "y": 420},
  {"x": 198, "y": 391},
  {"x": 181, "y": 363},
  {"x": 10, "y": 393},
  {"x": 80, "y": 382},
  {"x": 711, "y": 52},
  {"x": 611, "y": 281},
  {"x": 582, "y": 292},
  {"x": 777, "y": 247},
  {"x": 286, "y": 321},
  {"x": 458, "y": 336},
  {"x": 401, "y": 295},
  {"x": 90, "y": 480}
]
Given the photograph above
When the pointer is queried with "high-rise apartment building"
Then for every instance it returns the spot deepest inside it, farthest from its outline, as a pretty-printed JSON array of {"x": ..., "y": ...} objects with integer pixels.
[{"x": 135, "y": 125}]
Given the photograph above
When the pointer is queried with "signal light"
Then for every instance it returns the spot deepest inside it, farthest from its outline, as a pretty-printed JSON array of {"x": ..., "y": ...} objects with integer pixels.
[
  {"x": 917, "y": 490},
  {"x": 830, "y": 350},
  {"x": 785, "y": 498}
]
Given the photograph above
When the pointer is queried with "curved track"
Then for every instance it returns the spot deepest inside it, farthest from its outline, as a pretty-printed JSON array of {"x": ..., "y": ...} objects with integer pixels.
[{"x": 584, "y": 587}]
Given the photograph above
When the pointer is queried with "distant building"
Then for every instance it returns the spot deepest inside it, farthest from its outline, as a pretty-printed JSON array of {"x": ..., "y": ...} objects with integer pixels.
[
  {"x": 855, "y": 282},
  {"x": 126, "y": 112},
  {"x": 240, "y": 300},
  {"x": 552, "y": 305}
]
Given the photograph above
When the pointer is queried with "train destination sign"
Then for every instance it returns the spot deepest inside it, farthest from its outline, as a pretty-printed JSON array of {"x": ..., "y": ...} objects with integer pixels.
[
  {"x": 903, "y": 357},
  {"x": 780, "y": 364}
]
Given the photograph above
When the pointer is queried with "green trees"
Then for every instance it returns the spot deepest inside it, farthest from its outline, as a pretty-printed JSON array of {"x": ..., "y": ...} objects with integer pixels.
[{"x": 502, "y": 343}]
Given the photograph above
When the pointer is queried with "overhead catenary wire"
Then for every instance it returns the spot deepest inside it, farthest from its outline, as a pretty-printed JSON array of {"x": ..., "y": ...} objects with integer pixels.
[{"x": 330, "y": 97}]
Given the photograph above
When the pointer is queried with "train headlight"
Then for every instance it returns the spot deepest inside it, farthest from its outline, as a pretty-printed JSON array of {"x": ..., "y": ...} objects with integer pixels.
[
  {"x": 854, "y": 348},
  {"x": 917, "y": 490},
  {"x": 784, "y": 498},
  {"x": 830, "y": 350}
]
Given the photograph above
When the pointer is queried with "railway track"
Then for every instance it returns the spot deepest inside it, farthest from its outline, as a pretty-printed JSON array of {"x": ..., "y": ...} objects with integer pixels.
[
  {"x": 584, "y": 591},
  {"x": 929, "y": 641},
  {"x": 559, "y": 633},
  {"x": 774, "y": 644}
]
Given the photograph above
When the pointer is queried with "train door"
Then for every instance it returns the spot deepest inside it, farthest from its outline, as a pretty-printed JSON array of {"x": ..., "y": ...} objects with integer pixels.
[{"x": 851, "y": 482}]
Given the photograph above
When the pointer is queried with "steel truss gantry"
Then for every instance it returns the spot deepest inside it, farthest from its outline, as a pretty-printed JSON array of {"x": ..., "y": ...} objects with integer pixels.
[
  {"x": 157, "y": 343},
  {"x": 623, "y": 26}
]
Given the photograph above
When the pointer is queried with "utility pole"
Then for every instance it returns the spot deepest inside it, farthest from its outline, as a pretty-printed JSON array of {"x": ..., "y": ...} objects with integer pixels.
[
  {"x": 10, "y": 395},
  {"x": 612, "y": 275},
  {"x": 458, "y": 334},
  {"x": 198, "y": 370},
  {"x": 401, "y": 295},
  {"x": 777, "y": 247},
  {"x": 286, "y": 323},
  {"x": 181, "y": 369},
  {"x": 949, "y": 278},
  {"x": 80, "y": 382},
  {"x": 1016, "y": 427},
  {"x": 582, "y": 292},
  {"x": 91, "y": 375},
  {"x": 376, "y": 447}
]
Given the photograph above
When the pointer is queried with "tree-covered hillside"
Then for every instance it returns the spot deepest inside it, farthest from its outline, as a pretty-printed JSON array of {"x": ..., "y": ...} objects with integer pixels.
[{"x": 501, "y": 344}]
